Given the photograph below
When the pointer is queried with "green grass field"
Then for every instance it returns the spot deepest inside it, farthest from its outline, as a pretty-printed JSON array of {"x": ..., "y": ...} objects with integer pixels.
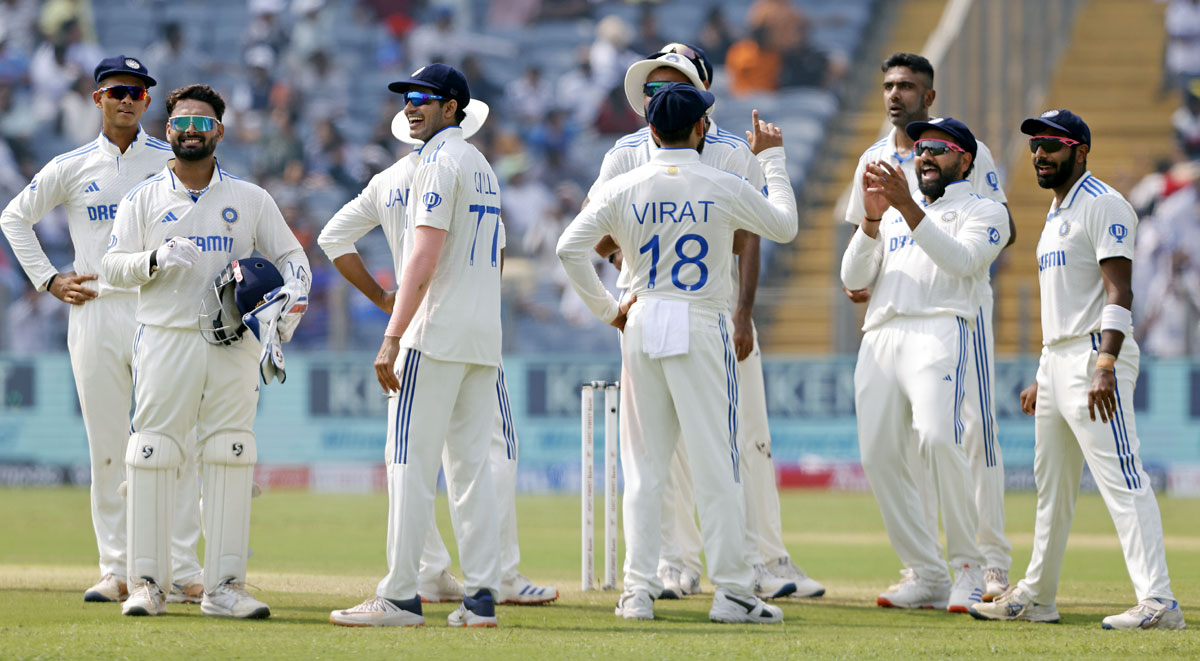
[{"x": 314, "y": 553}]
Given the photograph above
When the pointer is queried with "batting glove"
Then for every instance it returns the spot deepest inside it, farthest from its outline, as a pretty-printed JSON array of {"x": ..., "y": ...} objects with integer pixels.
[{"x": 177, "y": 251}]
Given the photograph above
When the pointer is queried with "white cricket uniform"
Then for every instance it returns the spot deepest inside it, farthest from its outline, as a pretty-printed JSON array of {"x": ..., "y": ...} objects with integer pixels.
[
  {"x": 913, "y": 364},
  {"x": 681, "y": 544},
  {"x": 674, "y": 220},
  {"x": 89, "y": 182},
  {"x": 979, "y": 416},
  {"x": 1094, "y": 223},
  {"x": 448, "y": 371},
  {"x": 382, "y": 204},
  {"x": 193, "y": 397}
]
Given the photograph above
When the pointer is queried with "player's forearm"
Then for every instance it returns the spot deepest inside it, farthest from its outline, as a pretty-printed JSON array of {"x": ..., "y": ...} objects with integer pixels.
[
  {"x": 126, "y": 269},
  {"x": 606, "y": 246},
  {"x": 748, "y": 267},
  {"x": 355, "y": 272},
  {"x": 782, "y": 222},
  {"x": 28, "y": 249},
  {"x": 1116, "y": 320},
  {"x": 860, "y": 262},
  {"x": 415, "y": 281}
]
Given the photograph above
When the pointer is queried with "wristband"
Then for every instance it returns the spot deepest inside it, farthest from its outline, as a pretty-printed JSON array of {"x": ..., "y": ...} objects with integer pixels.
[
  {"x": 1116, "y": 318},
  {"x": 153, "y": 261},
  {"x": 872, "y": 220},
  {"x": 50, "y": 282},
  {"x": 1106, "y": 361}
]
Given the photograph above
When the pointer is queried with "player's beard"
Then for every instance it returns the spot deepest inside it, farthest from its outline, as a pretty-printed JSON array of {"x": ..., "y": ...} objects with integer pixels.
[
  {"x": 700, "y": 147},
  {"x": 936, "y": 188},
  {"x": 194, "y": 153},
  {"x": 1062, "y": 172}
]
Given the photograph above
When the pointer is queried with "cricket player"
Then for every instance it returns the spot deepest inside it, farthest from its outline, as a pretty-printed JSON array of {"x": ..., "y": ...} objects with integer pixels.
[
  {"x": 89, "y": 182},
  {"x": 1082, "y": 400},
  {"x": 383, "y": 204},
  {"x": 679, "y": 564},
  {"x": 674, "y": 219},
  {"x": 907, "y": 95},
  {"x": 173, "y": 235},
  {"x": 446, "y": 322},
  {"x": 926, "y": 256}
]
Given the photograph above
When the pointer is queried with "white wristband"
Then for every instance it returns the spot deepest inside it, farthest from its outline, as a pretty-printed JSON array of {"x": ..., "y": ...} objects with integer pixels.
[{"x": 1117, "y": 318}]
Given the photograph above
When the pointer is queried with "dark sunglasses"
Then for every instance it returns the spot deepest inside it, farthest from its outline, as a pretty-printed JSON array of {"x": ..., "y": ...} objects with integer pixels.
[
  {"x": 199, "y": 122},
  {"x": 1049, "y": 143},
  {"x": 936, "y": 147},
  {"x": 119, "y": 92},
  {"x": 419, "y": 99},
  {"x": 686, "y": 51},
  {"x": 650, "y": 89}
]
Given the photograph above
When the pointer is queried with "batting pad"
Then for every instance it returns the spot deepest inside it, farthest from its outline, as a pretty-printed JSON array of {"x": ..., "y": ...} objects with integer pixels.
[
  {"x": 228, "y": 478},
  {"x": 151, "y": 463}
]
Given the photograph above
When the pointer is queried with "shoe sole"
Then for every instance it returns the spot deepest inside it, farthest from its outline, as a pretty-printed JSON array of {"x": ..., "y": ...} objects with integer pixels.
[
  {"x": 539, "y": 602},
  {"x": 784, "y": 591},
  {"x": 668, "y": 594},
  {"x": 814, "y": 595},
  {"x": 97, "y": 598},
  {"x": 740, "y": 620},
  {"x": 256, "y": 614},
  {"x": 480, "y": 625},
  {"x": 356, "y": 625},
  {"x": 139, "y": 612},
  {"x": 958, "y": 609},
  {"x": 886, "y": 603},
  {"x": 447, "y": 600},
  {"x": 985, "y": 618}
]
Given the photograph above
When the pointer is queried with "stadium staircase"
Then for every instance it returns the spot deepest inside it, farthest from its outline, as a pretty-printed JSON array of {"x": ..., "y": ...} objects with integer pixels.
[
  {"x": 1109, "y": 75},
  {"x": 804, "y": 317}
]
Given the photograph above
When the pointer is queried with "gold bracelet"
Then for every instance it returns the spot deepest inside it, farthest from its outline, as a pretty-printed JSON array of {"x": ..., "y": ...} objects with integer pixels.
[{"x": 1106, "y": 361}]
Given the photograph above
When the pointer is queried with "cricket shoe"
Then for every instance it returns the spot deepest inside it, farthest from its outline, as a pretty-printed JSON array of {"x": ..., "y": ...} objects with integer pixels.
[
  {"x": 968, "y": 589},
  {"x": 444, "y": 587},
  {"x": 906, "y": 576},
  {"x": 636, "y": 605},
  {"x": 476, "y": 611},
  {"x": 997, "y": 583},
  {"x": 919, "y": 593},
  {"x": 516, "y": 589},
  {"x": 380, "y": 612},
  {"x": 671, "y": 577},
  {"x": 770, "y": 586},
  {"x": 805, "y": 586},
  {"x": 1148, "y": 614},
  {"x": 192, "y": 593},
  {"x": 730, "y": 608},
  {"x": 108, "y": 589},
  {"x": 146, "y": 598},
  {"x": 689, "y": 582},
  {"x": 1015, "y": 605},
  {"x": 230, "y": 599}
]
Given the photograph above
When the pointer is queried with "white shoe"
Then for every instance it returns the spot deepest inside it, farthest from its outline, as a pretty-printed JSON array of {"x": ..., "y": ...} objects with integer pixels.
[
  {"x": 1014, "y": 605},
  {"x": 192, "y": 593},
  {"x": 1148, "y": 614},
  {"x": 380, "y": 612},
  {"x": 997, "y": 583},
  {"x": 805, "y": 586},
  {"x": 689, "y": 582},
  {"x": 906, "y": 576},
  {"x": 230, "y": 599},
  {"x": 444, "y": 587},
  {"x": 476, "y": 611},
  {"x": 516, "y": 589},
  {"x": 108, "y": 589},
  {"x": 967, "y": 589},
  {"x": 146, "y": 598},
  {"x": 636, "y": 605},
  {"x": 768, "y": 585},
  {"x": 730, "y": 608},
  {"x": 919, "y": 593},
  {"x": 671, "y": 576}
]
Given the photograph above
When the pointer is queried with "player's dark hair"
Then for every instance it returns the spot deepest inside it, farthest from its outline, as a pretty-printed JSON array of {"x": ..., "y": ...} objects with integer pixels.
[
  {"x": 967, "y": 172},
  {"x": 459, "y": 116},
  {"x": 674, "y": 137},
  {"x": 912, "y": 61},
  {"x": 199, "y": 93}
]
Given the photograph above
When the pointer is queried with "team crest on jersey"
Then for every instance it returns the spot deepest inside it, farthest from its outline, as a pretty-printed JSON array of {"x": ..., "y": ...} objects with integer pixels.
[
  {"x": 431, "y": 200},
  {"x": 993, "y": 235},
  {"x": 950, "y": 216},
  {"x": 237, "y": 449},
  {"x": 1064, "y": 229},
  {"x": 229, "y": 215},
  {"x": 1118, "y": 232}
]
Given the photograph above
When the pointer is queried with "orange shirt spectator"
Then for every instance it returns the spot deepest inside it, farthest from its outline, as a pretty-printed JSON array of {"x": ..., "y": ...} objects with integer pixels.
[{"x": 752, "y": 68}]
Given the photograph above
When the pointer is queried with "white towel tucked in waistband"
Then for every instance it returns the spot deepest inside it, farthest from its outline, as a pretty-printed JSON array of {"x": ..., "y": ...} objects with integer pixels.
[{"x": 665, "y": 327}]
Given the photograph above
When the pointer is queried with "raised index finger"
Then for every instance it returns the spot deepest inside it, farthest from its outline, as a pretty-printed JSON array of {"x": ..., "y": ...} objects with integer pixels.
[{"x": 754, "y": 119}]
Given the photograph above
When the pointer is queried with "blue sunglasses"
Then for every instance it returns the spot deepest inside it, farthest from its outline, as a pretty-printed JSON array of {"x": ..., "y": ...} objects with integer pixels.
[{"x": 419, "y": 99}]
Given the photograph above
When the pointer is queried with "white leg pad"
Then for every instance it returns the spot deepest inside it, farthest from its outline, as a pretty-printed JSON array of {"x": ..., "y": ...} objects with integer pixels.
[
  {"x": 151, "y": 462},
  {"x": 228, "y": 460}
]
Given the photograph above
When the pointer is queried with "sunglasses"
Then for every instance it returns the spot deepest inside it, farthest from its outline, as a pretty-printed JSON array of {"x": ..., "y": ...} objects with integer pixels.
[
  {"x": 650, "y": 89},
  {"x": 686, "y": 51},
  {"x": 119, "y": 92},
  {"x": 936, "y": 147},
  {"x": 1050, "y": 143},
  {"x": 419, "y": 99},
  {"x": 199, "y": 122}
]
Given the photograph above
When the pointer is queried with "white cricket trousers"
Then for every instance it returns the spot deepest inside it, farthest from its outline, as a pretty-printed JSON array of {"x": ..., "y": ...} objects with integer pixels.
[
  {"x": 983, "y": 450},
  {"x": 1065, "y": 437},
  {"x": 502, "y": 458},
  {"x": 911, "y": 375},
  {"x": 451, "y": 405},
  {"x": 681, "y": 544},
  {"x": 100, "y": 342},
  {"x": 695, "y": 394}
]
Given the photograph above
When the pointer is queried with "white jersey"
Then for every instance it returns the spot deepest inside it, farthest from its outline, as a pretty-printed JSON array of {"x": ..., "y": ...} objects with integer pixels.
[
  {"x": 722, "y": 150},
  {"x": 984, "y": 180},
  {"x": 382, "y": 203},
  {"x": 454, "y": 189},
  {"x": 1093, "y": 224},
  {"x": 674, "y": 219},
  {"x": 89, "y": 181},
  {"x": 939, "y": 268},
  {"x": 231, "y": 220}
]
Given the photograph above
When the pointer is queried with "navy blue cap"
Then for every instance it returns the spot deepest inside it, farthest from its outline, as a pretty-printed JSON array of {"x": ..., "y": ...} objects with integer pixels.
[
  {"x": 957, "y": 130},
  {"x": 1063, "y": 120},
  {"x": 677, "y": 106},
  {"x": 254, "y": 278},
  {"x": 443, "y": 79},
  {"x": 122, "y": 64}
]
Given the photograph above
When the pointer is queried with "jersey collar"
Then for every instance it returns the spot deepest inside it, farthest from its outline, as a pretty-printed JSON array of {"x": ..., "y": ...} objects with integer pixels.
[
  {"x": 444, "y": 134},
  {"x": 896, "y": 151},
  {"x": 955, "y": 191},
  {"x": 674, "y": 156},
  {"x": 109, "y": 147},
  {"x": 218, "y": 176},
  {"x": 1071, "y": 195}
]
